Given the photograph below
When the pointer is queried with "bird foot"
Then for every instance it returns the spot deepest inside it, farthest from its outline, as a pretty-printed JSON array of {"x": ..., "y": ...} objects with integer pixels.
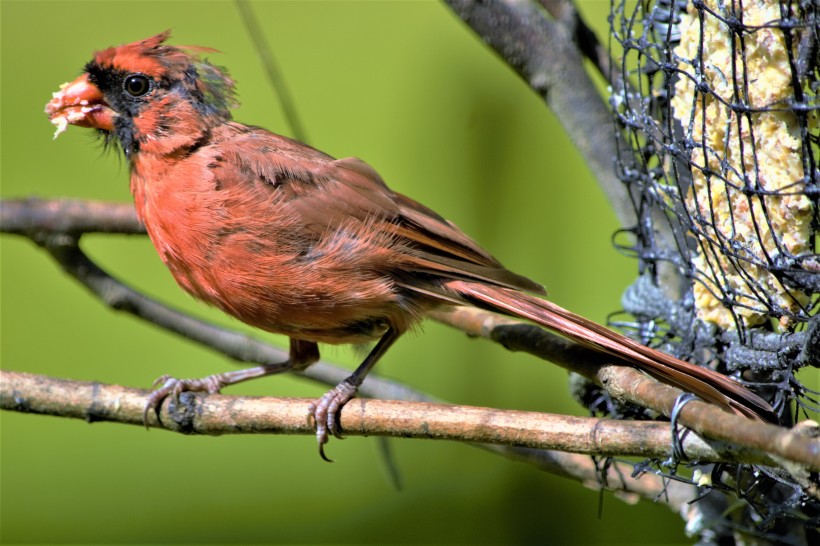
[
  {"x": 166, "y": 386},
  {"x": 325, "y": 413}
]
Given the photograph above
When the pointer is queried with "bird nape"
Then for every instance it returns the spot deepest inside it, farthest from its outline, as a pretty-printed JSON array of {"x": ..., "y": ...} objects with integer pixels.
[{"x": 293, "y": 241}]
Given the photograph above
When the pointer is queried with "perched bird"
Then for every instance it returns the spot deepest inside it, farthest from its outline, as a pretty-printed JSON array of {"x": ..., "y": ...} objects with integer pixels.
[{"x": 293, "y": 241}]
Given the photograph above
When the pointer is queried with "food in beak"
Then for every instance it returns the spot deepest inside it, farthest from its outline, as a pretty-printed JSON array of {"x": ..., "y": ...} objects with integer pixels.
[{"x": 79, "y": 103}]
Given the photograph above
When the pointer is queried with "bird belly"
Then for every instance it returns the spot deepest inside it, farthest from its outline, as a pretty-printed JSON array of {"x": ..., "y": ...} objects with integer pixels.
[{"x": 266, "y": 275}]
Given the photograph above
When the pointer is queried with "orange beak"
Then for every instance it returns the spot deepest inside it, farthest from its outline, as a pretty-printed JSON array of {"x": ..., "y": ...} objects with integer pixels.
[{"x": 80, "y": 103}]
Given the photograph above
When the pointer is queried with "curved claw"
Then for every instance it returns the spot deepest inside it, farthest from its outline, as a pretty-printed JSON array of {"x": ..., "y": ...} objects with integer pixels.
[
  {"x": 145, "y": 411},
  {"x": 161, "y": 379},
  {"x": 325, "y": 413},
  {"x": 321, "y": 438},
  {"x": 323, "y": 456},
  {"x": 155, "y": 399},
  {"x": 173, "y": 387}
]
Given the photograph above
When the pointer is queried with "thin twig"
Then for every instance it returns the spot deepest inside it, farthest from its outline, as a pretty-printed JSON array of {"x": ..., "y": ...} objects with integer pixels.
[
  {"x": 617, "y": 476},
  {"x": 272, "y": 69}
]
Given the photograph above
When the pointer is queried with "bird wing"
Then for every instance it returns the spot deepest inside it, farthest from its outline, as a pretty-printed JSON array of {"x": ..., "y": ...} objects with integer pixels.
[{"x": 328, "y": 195}]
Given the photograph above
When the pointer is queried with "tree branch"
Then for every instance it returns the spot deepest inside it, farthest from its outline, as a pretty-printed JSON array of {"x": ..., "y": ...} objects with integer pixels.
[
  {"x": 39, "y": 218},
  {"x": 218, "y": 414},
  {"x": 548, "y": 55},
  {"x": 224, "y": 415},
  {"x": 566, "y": 14},
  {"x": 544, "y": 54},
  {"x": 57, "y": 225},
  {"x": 629, "y": 384}
]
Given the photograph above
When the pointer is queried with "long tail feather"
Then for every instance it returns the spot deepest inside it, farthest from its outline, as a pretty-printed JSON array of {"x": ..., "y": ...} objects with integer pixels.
[{"x": 707, "y": 384}]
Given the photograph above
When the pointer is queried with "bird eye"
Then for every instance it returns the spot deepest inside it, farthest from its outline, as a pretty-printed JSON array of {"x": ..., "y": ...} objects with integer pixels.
[{"x": 137, "y": 85}]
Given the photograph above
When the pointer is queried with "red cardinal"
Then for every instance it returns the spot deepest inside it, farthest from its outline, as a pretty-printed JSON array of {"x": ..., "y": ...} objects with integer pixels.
[{"x": 293, "y": 241}]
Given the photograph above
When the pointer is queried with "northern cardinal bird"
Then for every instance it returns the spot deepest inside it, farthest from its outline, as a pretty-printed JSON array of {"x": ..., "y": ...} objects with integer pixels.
[{"x": 293, "y": 241}]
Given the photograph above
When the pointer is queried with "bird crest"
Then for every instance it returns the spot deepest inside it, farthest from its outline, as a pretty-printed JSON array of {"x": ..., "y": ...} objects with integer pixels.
[{"x": 208, "y": 84}]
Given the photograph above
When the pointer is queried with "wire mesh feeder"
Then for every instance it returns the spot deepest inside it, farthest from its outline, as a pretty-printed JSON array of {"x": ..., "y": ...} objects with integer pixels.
[
  {"x": 718, "y": 124},
  {"x": 720, "y": 147}
]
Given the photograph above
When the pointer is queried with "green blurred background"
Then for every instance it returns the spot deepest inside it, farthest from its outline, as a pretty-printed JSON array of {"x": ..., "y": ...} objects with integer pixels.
[{"x": 407, "y": 87}]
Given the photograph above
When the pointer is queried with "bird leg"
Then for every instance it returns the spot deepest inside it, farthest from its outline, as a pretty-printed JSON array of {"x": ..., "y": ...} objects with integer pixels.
[
  {"x": 302, "y": 354},
  {"x": 325, "y": 411}
]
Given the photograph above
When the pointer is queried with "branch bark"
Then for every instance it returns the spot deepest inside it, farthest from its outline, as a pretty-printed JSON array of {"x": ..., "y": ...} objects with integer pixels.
[
  {"x": 218, "y": 414},
  {"x": 95, "y": 402}
]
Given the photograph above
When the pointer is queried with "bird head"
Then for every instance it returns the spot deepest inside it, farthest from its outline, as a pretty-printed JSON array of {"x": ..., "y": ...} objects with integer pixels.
[{"x": 147, "y": 96}]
